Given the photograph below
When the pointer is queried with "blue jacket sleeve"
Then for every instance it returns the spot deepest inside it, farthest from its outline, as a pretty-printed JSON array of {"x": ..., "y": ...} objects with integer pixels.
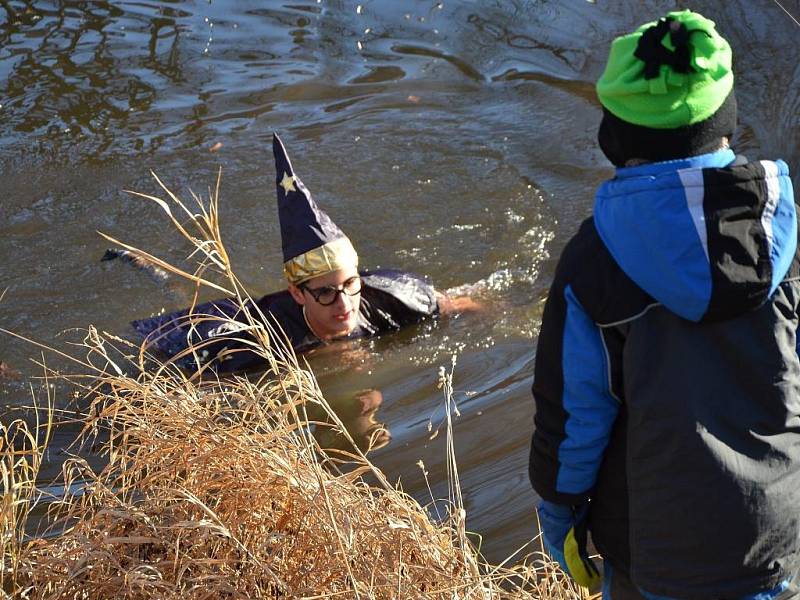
[{"x": 575, "y": 405}]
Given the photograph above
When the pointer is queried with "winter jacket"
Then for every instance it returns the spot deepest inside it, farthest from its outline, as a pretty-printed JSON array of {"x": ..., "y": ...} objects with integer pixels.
[{"x": 667, "y": 380}]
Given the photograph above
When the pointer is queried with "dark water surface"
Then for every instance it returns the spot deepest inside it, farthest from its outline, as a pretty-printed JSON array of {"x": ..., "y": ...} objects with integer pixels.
[{"x": 450, "y": 138}]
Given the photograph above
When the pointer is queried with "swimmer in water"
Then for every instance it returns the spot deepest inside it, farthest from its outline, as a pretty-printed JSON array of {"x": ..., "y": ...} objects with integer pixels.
[{"x": 327, "y": 297}]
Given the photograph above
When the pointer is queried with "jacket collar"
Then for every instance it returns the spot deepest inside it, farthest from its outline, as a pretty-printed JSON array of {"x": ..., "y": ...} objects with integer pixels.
[{"x": 718, "y": 159}]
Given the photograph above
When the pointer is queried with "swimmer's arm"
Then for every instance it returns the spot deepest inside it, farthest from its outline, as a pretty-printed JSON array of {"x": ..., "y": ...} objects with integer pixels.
[{"x": 449, "y": 305}]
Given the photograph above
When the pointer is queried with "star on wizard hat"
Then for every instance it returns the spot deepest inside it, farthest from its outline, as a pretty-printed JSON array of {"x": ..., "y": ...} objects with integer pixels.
[{"x": 312, "y": 243}]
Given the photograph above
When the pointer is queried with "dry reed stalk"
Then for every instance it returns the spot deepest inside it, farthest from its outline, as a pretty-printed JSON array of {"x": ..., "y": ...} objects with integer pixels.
[
  {"x": 218, "y": 489},
  {"x": 21, "y": 451}
]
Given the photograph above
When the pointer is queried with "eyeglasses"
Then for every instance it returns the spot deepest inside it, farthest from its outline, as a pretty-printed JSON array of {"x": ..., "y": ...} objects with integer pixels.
[{"x": 328, "y": 294}]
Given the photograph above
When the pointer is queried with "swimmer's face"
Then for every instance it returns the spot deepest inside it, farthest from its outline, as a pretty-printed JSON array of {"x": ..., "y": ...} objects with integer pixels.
[{"x": 331, "y": 302}]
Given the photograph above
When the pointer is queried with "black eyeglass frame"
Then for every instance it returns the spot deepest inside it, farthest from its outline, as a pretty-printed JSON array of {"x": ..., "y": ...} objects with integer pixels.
[{"x": 316, "y": 293}]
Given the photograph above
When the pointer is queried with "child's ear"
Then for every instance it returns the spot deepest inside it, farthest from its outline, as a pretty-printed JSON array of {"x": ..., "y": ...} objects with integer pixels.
[{"x": 297, "y": 294}]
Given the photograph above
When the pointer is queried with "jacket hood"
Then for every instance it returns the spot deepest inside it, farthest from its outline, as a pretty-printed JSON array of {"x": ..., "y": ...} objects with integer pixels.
[{"x": 709, "y": 237}]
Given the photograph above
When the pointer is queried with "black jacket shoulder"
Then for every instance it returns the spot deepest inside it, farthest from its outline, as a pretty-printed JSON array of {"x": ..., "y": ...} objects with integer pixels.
[{"x": 605, "y": 292}]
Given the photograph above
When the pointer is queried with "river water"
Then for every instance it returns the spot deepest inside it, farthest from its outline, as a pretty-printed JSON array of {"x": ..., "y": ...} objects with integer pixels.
[{"x": 455, "y": 139}]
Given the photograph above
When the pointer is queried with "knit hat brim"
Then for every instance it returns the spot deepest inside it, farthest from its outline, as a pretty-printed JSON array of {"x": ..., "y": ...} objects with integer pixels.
[{"x": 622, "y": 141}]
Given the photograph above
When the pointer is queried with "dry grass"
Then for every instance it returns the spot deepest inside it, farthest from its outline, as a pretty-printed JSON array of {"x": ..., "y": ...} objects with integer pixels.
[{"x": 218, "y": 489}]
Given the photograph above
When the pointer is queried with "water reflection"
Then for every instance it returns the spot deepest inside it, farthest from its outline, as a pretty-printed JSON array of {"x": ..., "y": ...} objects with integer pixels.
[
  {"x": 358, "y": 414},
  {"x": 71, "y": 82},
  {"x": 67, "y": 77},
  {"x": 7, "y": 372}
]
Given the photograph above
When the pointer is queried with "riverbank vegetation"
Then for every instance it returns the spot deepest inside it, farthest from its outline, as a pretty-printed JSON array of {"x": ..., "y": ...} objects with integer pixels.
[{"x": 217, "y": 488}]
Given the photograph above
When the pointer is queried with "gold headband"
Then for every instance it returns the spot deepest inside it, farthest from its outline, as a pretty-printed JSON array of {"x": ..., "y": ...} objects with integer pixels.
[{"x": 330, "y": 257}]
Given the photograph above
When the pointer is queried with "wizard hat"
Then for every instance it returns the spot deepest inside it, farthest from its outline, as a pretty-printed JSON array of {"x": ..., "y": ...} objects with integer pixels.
[{"x": 312, "y": 243}]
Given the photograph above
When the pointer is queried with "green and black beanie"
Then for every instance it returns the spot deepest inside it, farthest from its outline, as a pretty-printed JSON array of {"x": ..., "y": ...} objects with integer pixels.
[{"x": 667, "y": 91}]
